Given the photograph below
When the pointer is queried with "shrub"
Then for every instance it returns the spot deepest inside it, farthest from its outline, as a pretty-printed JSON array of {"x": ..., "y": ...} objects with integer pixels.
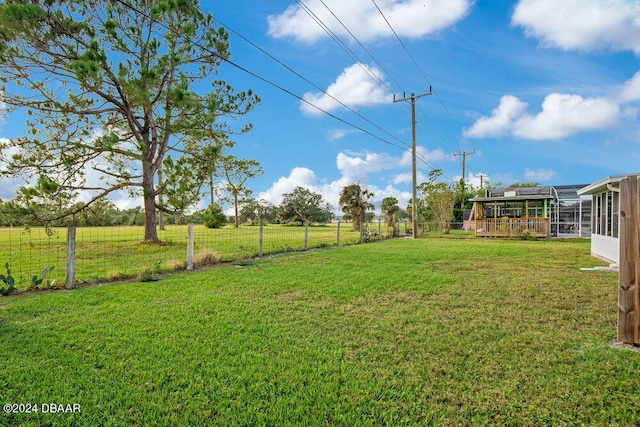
[
  {"x": 206, "y": 257},
  {"x": 8, "y": 280},
  {"x": 528, "y": 234},
  {"x": 214, "y": 217},
  {"x": 150, "y": 274}
]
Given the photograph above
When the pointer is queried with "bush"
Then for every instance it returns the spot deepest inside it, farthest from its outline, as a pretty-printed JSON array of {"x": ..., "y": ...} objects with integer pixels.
[
  {"x": 206, "y": 257},
  {"x": 528, "y": 234},
  {"x": 214, "y": 217}
]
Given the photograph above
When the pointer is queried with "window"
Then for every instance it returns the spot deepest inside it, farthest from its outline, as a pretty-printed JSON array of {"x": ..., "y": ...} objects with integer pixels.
[{"x": 615, "y": 214}]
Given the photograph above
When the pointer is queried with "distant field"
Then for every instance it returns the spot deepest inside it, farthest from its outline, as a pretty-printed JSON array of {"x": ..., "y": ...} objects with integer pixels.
[
  {"x": 105, "y": 253},
  {"x": 401, "y": 332}
]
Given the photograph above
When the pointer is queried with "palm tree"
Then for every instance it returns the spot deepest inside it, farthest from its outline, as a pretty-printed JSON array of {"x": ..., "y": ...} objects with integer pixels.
[
  {"x": 389, "y": 207},
  {"x": 354, "y": 201}
]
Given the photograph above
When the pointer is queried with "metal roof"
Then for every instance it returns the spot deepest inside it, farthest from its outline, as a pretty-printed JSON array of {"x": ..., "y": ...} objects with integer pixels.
[{"x": 603, "y": 184}]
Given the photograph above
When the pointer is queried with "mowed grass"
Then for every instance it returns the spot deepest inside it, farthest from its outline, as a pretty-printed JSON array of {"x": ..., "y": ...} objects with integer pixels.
[
  {"x": 400, "y": 332},
  {"x": 108, "y": 253}
]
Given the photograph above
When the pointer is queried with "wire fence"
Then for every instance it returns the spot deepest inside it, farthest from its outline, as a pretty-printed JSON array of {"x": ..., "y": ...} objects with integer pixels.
[{"x": 113, "y": 253}]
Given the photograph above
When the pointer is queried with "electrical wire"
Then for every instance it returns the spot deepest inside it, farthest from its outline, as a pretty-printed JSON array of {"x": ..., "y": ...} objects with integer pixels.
[
  {"x": 416, "y": 64},
  {"x": 355, "y": 57},
  {"x": 279, "y": 87}
]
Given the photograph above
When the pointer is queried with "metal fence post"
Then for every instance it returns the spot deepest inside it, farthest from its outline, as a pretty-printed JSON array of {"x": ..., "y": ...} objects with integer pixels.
[
  {"x": 71, "y": 258},
  {"x": 338, "y": 242},
  {"x": 260, "y": 238}
]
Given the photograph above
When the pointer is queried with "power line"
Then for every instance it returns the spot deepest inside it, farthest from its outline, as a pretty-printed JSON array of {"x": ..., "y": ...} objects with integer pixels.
[
  {"x": 414, "y": 183},
  {"x": 416, "y": 64},
  {"x": 355, "y": 57},
  {"x": 440, "y": 136},
  {"x": 269, "y": 82},
  {"x": 422, "y": 158}
]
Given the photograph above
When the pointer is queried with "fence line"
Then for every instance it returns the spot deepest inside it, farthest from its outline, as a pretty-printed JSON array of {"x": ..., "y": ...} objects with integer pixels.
[{"x": 113, "y": 253}]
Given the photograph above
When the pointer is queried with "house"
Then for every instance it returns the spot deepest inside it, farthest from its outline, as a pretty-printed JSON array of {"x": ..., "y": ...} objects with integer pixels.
[
  {"x": 556, "y": 211},
  {"x": 605, "y": 221}
]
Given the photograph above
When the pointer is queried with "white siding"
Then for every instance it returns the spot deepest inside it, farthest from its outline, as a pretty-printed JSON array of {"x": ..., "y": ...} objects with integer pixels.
[{"x": 605, "y": 247}]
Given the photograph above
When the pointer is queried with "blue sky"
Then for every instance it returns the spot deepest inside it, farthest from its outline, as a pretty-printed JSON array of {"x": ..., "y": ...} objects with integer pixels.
[{"x": 543, "y": 91}]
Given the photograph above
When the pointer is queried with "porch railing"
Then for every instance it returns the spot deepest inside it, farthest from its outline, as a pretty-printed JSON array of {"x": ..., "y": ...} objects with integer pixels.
[{"x": 505, "y": 227}]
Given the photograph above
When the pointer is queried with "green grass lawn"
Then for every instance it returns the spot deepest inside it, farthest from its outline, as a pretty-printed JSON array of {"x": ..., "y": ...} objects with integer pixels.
[
  {"x": 401, "y": 332},
  {"x": 108, "y": 253}
]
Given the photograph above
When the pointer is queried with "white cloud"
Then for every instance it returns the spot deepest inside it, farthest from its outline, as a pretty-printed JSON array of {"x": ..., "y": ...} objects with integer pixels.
[
  {"x": 539, "y": 175},
  {"x": 356, "y": 86},
  {"x": 562, "y": 115},
  {"x": 565, "y": 115},
  {"x": 409, "y": 18},
  {"x": 353, "y": 168},
  {"x": 298, "y": 177},
  {"x": 406, "y": 178},
  {"x": 631, "y": 90},
  {"x": 336, "y": 134},
  {"x": 424, "y": 155},
  {"x": 501, "y": 120},
  {"x": 583, "y": 25},
  {"x": 478, "y": 180}
]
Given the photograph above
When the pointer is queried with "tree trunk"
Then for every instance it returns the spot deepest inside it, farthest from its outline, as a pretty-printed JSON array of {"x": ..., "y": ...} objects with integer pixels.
[
  {"x": 160, "y": 216},
  {"x": 235, "y": 204},
  {"x": 148, "y": 190},
  {"x": 211, "y": 190}
]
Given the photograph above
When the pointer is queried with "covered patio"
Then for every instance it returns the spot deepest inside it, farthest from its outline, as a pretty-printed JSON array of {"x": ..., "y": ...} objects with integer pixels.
[
  {"x": 557, "y": 211},
  {"x": 511, "y": 214}
]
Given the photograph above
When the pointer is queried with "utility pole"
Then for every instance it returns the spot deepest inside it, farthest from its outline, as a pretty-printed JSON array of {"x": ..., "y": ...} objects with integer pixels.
[
  {"x": 464, "y": 162},
  {"x": 462, "y": 192},
  {"x": 414, "y": 184}
]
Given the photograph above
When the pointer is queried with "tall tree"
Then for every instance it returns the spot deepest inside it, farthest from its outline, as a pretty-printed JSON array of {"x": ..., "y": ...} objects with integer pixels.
[
  {"x": 258, "y": 211},
  {"x": 389, "y": 208},
  {"x": 237, "y": 172},
  {"x": 305, "y": 206},
  {"x": 437, "y": 200},
  {"x": 109, "y": 87},
  {"x": 355, "y": 201}
]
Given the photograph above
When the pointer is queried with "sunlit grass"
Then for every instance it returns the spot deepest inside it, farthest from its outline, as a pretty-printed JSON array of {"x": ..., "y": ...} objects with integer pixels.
[
  {"x": 107, "y": 253},
  {"x": 437, "y": 331}
]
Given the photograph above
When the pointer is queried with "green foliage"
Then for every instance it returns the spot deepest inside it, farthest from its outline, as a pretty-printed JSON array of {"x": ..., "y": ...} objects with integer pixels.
[
  {"x": 214, "y": 217},
  {"x": 528, "y": 234},
  {"x": 258, "y": 212},
  {"x": 304, "y": 206},
  {"x": 355, "y": 201},
  {"x": 237, "y": 172},
  {"x": 390, "y": 208},
  {"x": 437, "y": 202},
  {"x": 150, "y": 274},
  {"x": 524, "y": 185},
  {"x": 123, "y": 99},
  {"x": 9, "y": 282},
  {"x": 37, "y": 281}
]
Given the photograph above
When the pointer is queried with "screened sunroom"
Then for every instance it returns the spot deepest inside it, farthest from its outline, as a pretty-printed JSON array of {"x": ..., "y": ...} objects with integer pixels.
[
  {"x": 605, "y": 221},
  {"x": 546, "y": 211}
]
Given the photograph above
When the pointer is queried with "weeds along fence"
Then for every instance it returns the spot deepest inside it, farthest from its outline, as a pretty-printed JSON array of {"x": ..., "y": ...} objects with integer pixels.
[{"x": 113, "y": 253}]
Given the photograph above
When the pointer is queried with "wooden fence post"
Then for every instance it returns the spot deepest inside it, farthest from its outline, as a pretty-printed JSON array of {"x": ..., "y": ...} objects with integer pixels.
[
  {"x": 70, "y": 281},
  {"x": 636, "y": 259},
  {"x": 338, "y": 242},
  {"x": 260, "y": 237},
  {"x": 190, "y": 245},
  {"x": 628, "y": 303}
]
